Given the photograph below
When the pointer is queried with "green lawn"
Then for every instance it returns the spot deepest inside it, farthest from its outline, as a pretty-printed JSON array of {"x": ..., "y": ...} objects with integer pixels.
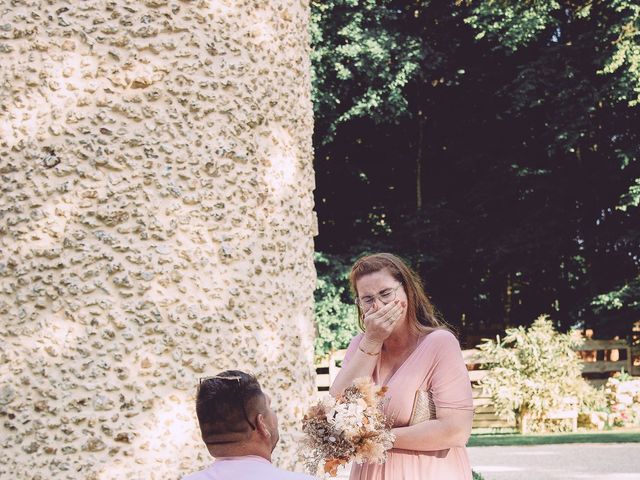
[{"x": 509, "y": 439}]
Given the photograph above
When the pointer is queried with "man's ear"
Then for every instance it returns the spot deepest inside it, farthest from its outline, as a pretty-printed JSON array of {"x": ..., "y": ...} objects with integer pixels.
[{"x": 262, "y": 426}]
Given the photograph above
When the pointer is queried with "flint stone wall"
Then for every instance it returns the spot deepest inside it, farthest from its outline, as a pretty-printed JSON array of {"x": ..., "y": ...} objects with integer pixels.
[{"x": 156, "y": 226}]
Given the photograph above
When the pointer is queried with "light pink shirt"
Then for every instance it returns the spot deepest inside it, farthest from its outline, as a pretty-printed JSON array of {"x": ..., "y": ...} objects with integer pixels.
[{"x": 248, "y": 467}]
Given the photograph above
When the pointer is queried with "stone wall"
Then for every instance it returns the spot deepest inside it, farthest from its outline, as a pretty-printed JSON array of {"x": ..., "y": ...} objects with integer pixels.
[{"x": 156, "y": 226}]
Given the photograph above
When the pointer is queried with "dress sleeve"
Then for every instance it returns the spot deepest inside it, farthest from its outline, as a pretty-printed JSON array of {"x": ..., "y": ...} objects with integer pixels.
[
  {"x": 450, "y": 384},
  {"x": 353, "y": 345}
]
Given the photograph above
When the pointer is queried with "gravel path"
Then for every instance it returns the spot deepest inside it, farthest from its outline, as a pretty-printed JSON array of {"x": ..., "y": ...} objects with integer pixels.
[{"x": 601, "y": 461}]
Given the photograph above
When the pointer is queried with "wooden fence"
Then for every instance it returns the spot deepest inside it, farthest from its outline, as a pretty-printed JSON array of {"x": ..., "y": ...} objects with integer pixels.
[{"x": 600, "y": 359}]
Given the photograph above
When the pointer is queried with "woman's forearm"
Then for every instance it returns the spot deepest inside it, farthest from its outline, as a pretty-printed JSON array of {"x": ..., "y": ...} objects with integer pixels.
[
  {"x": 435, "y": 434},
  {"x": 361, "y": 364}
]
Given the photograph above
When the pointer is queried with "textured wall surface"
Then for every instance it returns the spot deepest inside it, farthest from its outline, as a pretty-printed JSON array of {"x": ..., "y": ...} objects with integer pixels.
[{"x": 156, "y": 226}]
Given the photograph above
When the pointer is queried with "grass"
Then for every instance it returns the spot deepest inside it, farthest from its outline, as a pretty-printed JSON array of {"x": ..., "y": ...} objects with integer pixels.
[{"x": 511, "y": 439}]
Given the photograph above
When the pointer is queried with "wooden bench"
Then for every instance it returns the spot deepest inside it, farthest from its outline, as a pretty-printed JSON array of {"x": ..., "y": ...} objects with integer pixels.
[{"x": 327, "y": 370}]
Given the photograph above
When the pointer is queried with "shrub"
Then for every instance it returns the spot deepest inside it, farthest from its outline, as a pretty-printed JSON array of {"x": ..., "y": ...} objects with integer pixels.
[
  {"x": 594, "y": 408},
  {"x": 623, "y": 399},
  {"x": 533, "y": 371},
  {"x": 335, "y": 312}
]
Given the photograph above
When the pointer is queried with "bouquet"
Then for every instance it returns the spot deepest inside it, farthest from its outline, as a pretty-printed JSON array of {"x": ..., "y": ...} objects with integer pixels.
[{"x": 348, "y": 428}]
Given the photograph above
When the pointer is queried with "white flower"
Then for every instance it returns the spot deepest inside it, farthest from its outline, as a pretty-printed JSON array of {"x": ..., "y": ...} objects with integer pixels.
[
  {"x": 327, "y": 402},
  {"x": 346, "y": 416}
]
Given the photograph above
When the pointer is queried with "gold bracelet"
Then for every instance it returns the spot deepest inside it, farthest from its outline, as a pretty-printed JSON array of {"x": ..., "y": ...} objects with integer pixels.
[{"x": 368, "y": 353}]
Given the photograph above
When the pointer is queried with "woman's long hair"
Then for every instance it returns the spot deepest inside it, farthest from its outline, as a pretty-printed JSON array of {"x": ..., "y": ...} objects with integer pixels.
[{"x": 420, "y": 311}]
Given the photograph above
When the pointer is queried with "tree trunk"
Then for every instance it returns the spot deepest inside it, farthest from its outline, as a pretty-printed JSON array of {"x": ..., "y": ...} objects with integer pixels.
[
  {"x": 419, "y": 161},
  {"x": 508, "y": 298}
]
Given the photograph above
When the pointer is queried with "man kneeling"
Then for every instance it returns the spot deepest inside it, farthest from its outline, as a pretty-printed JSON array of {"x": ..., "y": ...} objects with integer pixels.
[{"x": 239, "y": 428}]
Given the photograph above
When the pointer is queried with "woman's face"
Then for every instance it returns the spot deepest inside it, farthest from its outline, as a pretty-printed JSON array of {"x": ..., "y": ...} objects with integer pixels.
[{"x": 377, "y": 289}]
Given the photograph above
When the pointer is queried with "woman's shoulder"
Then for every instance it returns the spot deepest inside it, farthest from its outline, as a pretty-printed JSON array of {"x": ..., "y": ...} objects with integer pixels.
[{"x": 441, "y": 336}]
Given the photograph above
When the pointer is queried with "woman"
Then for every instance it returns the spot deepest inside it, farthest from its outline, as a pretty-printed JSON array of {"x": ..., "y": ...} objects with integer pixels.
[{"x": 405, "y": 347}]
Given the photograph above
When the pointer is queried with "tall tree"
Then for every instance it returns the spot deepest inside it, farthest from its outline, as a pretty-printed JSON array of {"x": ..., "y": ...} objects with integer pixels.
[{"x": 499, "y": 172}]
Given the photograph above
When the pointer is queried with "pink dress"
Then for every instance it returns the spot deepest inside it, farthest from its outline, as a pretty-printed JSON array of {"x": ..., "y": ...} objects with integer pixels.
[{"x": 436, "y": 365}]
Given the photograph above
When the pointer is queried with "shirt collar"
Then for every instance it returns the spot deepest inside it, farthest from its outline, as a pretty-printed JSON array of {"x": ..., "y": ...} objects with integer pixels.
[{"x": 254, "y": 458}]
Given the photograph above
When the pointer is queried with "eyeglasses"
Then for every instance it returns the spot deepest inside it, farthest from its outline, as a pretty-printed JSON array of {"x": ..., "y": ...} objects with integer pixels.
[
  {"x": 236, "y": 390},
  {"x": 386, "y": 296}
]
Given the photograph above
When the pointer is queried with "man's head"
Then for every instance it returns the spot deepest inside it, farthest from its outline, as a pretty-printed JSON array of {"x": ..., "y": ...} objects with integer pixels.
[{"x": 235, "y": 415}]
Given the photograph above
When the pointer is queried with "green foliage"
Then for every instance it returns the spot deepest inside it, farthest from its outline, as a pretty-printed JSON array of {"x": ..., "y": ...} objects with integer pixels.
[
  {"x": 361, "y": 62},
  {"x": 476, "y": 475},
  {"x": 627, "y": 297},
  {"x": 631, "y": 198},
  {"x": 502, "y": 440},
  {"x": 624, "y": 56},
  {"x": 591, "y": 399},
  {"x": 532, "y": 371},
  {"x": 615, "y": 25},
  {"x": 516, "y": 23},
  {"x": 335, "y": 313},
  {"x": 493, "y": 142}
]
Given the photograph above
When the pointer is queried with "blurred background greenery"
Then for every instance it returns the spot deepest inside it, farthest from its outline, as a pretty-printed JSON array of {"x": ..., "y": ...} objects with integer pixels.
[{"x": 494, "y": 145}]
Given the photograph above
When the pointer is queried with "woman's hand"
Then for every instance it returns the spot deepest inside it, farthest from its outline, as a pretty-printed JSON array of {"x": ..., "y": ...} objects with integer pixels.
[{"x": 380, "y": 322}]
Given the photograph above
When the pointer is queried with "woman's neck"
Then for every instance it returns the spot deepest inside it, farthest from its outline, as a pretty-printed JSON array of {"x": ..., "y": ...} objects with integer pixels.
[{"x": 401, "y": 340}]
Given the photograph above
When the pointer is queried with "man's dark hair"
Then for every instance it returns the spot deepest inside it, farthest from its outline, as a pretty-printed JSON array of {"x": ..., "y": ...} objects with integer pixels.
[{"x": 225, "y": 404}]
